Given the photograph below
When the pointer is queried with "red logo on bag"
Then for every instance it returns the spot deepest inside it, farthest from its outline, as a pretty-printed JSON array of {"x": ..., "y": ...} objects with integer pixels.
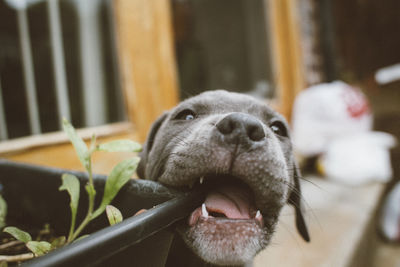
[{"x": 356, "y": 103}]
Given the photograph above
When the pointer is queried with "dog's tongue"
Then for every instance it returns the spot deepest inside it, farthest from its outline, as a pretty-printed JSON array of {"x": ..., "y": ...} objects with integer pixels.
[{"x": 232, "y": 201}]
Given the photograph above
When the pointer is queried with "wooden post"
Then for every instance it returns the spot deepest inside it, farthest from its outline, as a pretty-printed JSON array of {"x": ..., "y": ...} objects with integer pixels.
[
  {"x": 286, "y": 52},
  {"x": 147, "y": 59}
]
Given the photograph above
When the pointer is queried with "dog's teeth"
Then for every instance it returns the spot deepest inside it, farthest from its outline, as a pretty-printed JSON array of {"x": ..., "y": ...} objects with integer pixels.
[
  {"x": 204, "y": 211},
  {"x": 258, "y": 214},
  {"x": 201, "y": 179}
]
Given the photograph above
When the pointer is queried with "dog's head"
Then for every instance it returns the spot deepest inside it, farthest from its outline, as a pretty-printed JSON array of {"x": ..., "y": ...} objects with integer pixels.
[{"x": 240, "y": 151}]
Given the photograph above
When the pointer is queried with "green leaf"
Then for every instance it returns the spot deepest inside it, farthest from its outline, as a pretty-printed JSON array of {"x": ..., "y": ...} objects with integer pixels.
[
  {"x": 120, "y": 146},
  {"x": 39, "y": 248},
  {"x": 58, "y": 242},
  {"x": 113, "y": 214},
  {"x": 70, "y": 183},
  {"x": 80, "y": 146},
  {"x": 118, "y": 177},
  {"x": 3, "y": 212},
  {"x": 18, "y": 234},
  {"x": 3, "y": 264}
]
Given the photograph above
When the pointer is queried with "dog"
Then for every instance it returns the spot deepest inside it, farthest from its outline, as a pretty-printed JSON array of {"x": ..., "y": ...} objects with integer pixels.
[{"x": 239, "y": 149}]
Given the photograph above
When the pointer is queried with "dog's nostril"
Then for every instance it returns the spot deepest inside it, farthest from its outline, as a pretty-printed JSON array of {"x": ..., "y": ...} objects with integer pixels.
[
  {"x": 239, "y": 125},
  {"x": 226, "y": 126},
  {"x": 255, "y": 132}
]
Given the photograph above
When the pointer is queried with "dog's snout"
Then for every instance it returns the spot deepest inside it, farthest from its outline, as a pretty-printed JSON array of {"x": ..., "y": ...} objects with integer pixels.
[{"x": 241, "y": 126}]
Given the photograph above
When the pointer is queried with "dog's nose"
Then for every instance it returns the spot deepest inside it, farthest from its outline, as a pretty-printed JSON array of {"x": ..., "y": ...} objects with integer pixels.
[{"x": 239, "y": 126}]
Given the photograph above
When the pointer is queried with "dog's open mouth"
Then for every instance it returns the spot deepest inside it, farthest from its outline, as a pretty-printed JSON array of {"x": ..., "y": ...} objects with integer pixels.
[
  {"x": 227, "y": 228},
  {"x": 228, "y": 200}
]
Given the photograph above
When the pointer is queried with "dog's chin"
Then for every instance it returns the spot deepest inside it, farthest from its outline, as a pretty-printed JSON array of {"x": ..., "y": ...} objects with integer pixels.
[
  {"x": 225, "y": 241},
  {"x": 228, "y": 228}
]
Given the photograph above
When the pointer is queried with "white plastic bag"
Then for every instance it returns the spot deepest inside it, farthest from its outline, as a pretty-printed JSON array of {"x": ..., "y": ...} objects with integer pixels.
[
  {"x": 333, "y": 122},
  {"x": 359, "y": 158},
  {"x": 327, "y": 111}
]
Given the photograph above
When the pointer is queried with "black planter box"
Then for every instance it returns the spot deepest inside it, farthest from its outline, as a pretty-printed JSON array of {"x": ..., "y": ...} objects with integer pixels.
[{"x": 32, "y": 195}]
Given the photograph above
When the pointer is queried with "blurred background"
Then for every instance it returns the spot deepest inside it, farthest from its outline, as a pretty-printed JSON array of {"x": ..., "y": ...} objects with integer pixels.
[{"x": 331, "y": 67}]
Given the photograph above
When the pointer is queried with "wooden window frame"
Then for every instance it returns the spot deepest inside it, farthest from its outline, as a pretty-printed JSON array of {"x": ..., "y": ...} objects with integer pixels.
[
  {"x": 148, "y": 68},
  {"x": 147, "y": 59},
  {"x": 287, "y": 57},
  {"x": 148, "y": 63}
]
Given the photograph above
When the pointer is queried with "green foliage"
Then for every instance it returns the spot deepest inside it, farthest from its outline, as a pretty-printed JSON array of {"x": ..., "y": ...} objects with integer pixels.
[
  {"x": 3, "y": 212},
  {"x": 18, "y": 234},
  {"x": 71, "y": 184},
  {"x": 118, "y": 177},
  {"x": 39, "y": 248},
  {"x": 58, "y": 242},
  {"x": 80, "y": 146},
  {"x": 90, "y": 190},
  {"x": 113, "y": 214}
]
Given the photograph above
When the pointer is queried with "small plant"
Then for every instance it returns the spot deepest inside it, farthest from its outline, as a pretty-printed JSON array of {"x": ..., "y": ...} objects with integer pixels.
[
  {"x": 113, "y": 214},
  {"x": 3, "y": 212},
  {"x": 37, "y": 247},
  {"x": 117, "y": 178}
]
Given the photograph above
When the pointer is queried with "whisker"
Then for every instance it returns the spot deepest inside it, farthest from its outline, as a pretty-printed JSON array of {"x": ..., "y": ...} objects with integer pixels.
[
  {"x": 291, "y": 234},
  {"x": 308, "y": 208},
  {"x": 303, "y": 178}
]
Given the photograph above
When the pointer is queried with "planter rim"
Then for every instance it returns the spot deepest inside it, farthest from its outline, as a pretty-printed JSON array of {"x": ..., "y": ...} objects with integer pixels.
[
  {"x": 106, "y": 242},
  {"x": 110, "y": 240}
]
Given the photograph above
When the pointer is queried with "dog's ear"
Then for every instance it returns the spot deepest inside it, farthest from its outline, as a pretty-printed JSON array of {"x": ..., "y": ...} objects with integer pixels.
[
  {"x": 148, "y": 145},
  {"x": 295, "y": 200}
]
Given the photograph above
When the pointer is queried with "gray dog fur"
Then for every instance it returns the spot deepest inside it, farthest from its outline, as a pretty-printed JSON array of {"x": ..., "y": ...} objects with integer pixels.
[{"x": 221, "y": 133}]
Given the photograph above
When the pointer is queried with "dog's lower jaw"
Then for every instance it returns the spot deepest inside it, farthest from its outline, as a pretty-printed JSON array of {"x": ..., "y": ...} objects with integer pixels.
[{"x": 235, "y": 245}]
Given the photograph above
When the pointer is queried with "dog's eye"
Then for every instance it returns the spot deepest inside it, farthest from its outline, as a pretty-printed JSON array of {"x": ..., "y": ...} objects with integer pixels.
[
  {"x": 186, "y": 115},
  {"x": 279, "y": 128}
]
